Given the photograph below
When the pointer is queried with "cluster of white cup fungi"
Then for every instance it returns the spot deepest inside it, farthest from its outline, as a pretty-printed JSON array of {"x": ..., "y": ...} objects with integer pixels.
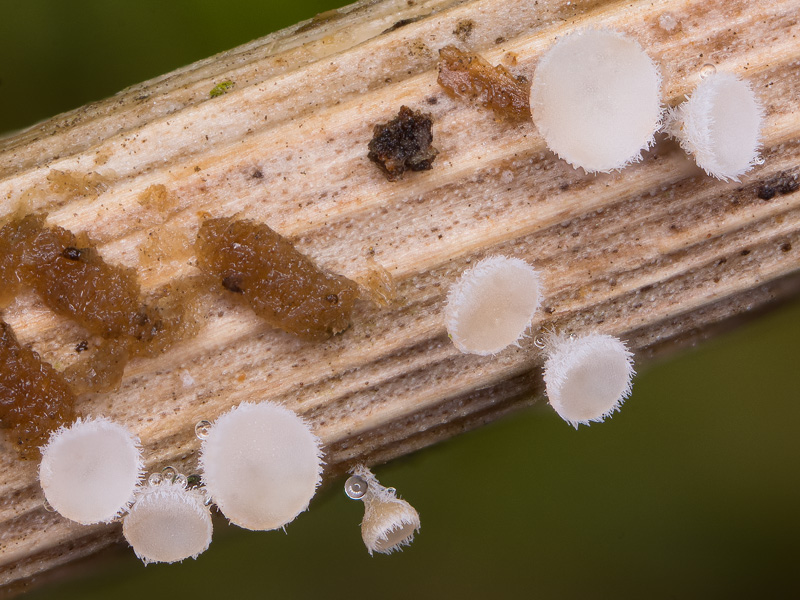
[
  {"x": 491, "y": 307},
  {"x": 260, "y": 464},
  {"x": 595, "y": 99}
]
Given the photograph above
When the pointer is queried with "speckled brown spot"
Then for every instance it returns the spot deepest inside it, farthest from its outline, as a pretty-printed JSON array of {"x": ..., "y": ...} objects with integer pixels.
[{"x": 281, "y": 285}]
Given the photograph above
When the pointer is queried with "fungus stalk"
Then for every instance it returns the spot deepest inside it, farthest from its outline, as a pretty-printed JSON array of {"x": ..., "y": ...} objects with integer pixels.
[{"x": 389, "y": 522}]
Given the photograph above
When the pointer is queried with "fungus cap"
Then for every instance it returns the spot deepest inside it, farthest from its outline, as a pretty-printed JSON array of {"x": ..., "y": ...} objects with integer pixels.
[
  {"x": 492, "y": 305},
  {"x": 588, "y": 377},
  {"x": 168, "y": 523},
  {"x": 720, "y": 125},
  {"x": 389, "y": 522},
  {"x": 89, "y": 470},
  {"x": 596, "y": 100},
  {"x": 261, "y": 465}
]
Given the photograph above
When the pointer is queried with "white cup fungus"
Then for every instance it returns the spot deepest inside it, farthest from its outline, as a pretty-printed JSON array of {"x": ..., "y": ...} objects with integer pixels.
[
  {"x": 89, "y": 470},
  {"x": 168, "y": 522},
  {"x": 389, "y": 522},
  {"x": 596, "y": 99},
  {"x": 261, "y": 465},
  {"x": 492, "y": 304},
  {"x": 720, "y": 125},
  {"x": 587, "y": 377}
]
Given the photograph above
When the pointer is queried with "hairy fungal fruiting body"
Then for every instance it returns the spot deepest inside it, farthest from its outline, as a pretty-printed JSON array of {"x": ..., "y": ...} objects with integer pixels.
[
  {"x": 720, "y": 125},
  {"x": 89, "y": 470},
  {"x": 168, "y": 522},
  {"x": 596, "y": 99},
  {"x": 261, "y": 465},
  {"x": 587, "y": 377},
  {"x": 492, "y": 304},
  {"x": 389, "y": 522}
]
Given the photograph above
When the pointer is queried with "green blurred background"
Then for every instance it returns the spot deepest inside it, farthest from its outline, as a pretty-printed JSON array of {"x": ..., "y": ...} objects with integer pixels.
[{"x": 691, "y": 491}]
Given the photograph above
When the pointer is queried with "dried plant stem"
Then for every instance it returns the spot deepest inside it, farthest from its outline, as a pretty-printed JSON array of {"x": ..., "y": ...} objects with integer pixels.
[{"x": 654, "y": 253}]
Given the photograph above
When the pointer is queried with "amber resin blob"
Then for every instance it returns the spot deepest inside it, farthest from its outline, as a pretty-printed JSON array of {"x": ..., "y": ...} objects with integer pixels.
[
  {"x": 282, "y": 286},
  {"x": 34, "y": 398}
]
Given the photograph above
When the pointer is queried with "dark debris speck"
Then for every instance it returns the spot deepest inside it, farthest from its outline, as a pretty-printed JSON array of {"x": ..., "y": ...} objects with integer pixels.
[
  {"x": 403, "y": 144},
  {"x": 464, "y": 29},
  {"x": 401, "y": 23},
  {"x": 233, "y": 283},
  {"x": 71, "y": 253},
  {"x": 784, "y": 183}
]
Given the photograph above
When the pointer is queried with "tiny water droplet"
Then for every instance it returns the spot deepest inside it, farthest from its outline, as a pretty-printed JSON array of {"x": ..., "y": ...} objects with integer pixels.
[
  {"x": 209, "y": 501},
  {"x": 202, "y": 429},
  {"x": 392, "y": 491},
  {"x": 154, "y": 479},
  {"x": 48, "y": 507},
  {"x": 355, "y": 487},
  {"x": 180, "y": 479},
  {"x": 538, "y": 341},
  {"x": 706, "y": 70},
  {"x": 168, "y": 474}
]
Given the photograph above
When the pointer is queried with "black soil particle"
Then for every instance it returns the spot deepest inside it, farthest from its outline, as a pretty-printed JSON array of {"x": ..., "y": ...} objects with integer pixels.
[{"x": 784, "y": 183}]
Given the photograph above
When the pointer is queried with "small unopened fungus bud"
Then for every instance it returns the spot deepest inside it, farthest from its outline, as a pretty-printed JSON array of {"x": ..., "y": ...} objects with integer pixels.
[
  {"x": 720, "y": 125},
  {"x": 588, "y": 377},
  {"x": 492, "y": 305},
  {"x": 89, "y": 470},
  {"x": 596, "y": 99},
  {"x": 168, "y": 522},
  {"x": 389, "y": 522},
  {"x": 261, "y": 465}
]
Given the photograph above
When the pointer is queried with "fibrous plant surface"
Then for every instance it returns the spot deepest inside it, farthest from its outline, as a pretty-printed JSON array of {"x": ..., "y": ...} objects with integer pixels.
[{"x": 653, "y": 254}]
